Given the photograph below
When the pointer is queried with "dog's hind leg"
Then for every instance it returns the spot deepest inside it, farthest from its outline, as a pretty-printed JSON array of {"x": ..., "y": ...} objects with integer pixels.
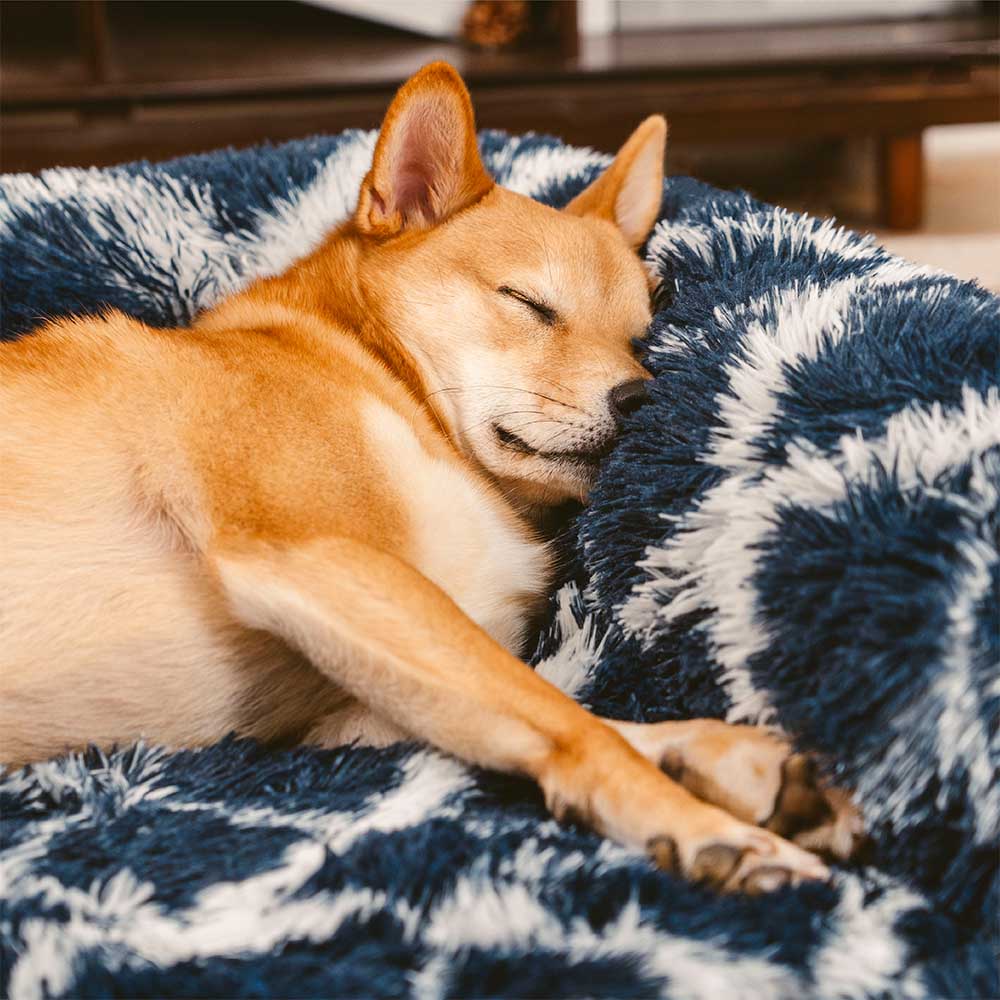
[
  {"x": 354, "y": 723},
  {"x": 399, "y": 644}
]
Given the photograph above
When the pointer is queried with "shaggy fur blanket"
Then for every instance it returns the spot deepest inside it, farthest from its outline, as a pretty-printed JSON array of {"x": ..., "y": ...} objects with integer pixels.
[{"x": 800, "y": 528}]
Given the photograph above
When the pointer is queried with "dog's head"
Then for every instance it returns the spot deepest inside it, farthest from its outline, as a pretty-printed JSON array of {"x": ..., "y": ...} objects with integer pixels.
[{"x": 520, "y": 318}]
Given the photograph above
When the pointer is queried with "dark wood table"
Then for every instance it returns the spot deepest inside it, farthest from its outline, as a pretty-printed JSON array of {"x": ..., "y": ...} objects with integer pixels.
[{"x": 98, "y": 83}]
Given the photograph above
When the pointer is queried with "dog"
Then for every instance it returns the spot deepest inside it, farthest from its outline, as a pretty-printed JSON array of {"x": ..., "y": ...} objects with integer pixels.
[{"x": 311, "y": 516}]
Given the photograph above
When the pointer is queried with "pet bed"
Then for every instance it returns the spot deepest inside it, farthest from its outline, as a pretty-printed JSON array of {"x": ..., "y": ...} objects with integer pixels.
[{"x": 801, "y": 527}]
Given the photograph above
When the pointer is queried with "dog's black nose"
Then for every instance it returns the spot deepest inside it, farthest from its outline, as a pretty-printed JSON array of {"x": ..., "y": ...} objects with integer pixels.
[{"x": 628, "y": 397}]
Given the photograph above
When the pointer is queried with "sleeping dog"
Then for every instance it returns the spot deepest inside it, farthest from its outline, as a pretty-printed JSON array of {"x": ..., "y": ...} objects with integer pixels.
[{"x": 310, "y": 516}]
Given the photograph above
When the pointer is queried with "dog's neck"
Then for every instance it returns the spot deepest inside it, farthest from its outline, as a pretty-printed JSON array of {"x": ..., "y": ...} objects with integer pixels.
[{"x": 335, "y": 284}]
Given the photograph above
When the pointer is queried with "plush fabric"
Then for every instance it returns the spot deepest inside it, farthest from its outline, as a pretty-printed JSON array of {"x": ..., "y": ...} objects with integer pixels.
[{"x": 801, "y": 527}]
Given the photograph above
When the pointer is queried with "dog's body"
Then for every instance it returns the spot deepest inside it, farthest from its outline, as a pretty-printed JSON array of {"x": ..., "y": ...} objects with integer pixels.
[
  {"x": 306, "y": 518},
  {"x": 114, "y": 487}
]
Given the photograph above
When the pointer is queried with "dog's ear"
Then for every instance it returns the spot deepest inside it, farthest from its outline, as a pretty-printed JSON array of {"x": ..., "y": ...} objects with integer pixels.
[
  {"x": 629, "y": 192},
  {"x": 426, "y": 165}
]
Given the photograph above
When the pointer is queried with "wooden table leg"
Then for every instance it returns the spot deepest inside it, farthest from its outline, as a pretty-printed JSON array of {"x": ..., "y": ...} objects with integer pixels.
[{"x": 901, "y": 167}]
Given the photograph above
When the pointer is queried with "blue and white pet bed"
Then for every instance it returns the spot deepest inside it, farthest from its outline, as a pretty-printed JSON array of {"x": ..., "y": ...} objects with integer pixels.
[{"x": 801, "y": 527}]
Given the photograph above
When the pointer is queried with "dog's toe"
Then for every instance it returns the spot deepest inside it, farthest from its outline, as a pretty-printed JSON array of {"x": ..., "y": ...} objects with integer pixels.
[{"x": 738, "y": 858}]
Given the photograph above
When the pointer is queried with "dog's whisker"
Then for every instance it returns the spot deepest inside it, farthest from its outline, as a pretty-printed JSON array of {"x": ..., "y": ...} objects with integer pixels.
[
  {"x": 558, "y": 434},
  {"x": 495, "y": 417},
  {"x": 542, "y": 420},
  {"x": 447, "y": 388},
  {"x": 552, "y": 381},
  {"x": 504, "y": 388}
]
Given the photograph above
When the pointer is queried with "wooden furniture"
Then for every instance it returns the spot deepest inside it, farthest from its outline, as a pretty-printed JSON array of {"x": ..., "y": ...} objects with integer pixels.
[{"x": 97, "y": 83}]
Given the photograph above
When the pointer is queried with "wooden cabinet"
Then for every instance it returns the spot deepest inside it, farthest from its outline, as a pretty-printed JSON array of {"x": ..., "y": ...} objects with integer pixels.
[{"x": 97, "y": 83}]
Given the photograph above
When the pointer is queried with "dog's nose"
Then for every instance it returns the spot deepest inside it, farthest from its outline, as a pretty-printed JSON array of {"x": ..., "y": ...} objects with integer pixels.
[{"x": 628, "y": 397}]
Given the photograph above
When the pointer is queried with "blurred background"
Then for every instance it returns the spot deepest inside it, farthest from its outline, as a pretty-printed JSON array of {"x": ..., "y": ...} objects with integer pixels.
[{"x": 882, "y": 112}]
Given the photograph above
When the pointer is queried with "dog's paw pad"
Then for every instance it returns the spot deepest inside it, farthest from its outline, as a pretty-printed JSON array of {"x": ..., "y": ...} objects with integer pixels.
[
  {"x": 714, "y": 864},
  {"x": 801, "y": 803},
  {"x": 812, "y": 815},
  {"x": 663, "y": 851}
]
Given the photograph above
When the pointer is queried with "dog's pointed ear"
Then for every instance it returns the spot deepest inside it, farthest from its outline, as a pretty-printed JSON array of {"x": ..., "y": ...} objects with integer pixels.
[
  {"x": 629, "y": 192},
  {"x": 426, "y": 165}
]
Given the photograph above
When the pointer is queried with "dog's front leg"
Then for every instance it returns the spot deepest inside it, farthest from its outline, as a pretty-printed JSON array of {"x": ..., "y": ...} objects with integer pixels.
[{"x": 399, "y": 644}]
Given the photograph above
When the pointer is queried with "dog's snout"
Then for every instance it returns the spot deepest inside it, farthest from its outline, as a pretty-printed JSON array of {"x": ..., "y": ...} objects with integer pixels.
[{"x": 627, "y": 397}]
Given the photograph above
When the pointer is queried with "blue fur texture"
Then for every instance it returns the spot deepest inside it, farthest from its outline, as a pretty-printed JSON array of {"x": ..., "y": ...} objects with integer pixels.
[{"x": 800, "y": 528}]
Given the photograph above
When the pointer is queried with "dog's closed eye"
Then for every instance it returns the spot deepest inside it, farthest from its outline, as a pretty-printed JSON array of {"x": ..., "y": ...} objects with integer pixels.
[{"x": 545, "y": 313}]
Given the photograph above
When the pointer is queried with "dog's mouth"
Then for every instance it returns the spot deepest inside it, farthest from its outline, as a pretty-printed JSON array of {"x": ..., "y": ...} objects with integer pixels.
[{"x": 590, "y": 457}]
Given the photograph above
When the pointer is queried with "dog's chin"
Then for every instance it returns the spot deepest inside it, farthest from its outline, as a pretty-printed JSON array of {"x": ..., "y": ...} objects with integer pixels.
[
  {"x": 541, "y": 479},
  {"x": 542, "y": 483}
]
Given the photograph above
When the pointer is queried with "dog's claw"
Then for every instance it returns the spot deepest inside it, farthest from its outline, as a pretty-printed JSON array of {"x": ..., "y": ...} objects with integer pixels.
[{"x": 813, "y": 815}]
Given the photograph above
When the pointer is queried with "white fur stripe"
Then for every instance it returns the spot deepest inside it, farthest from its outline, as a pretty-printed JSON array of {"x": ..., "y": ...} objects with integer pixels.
[
  {"x": 579, "y": 652},
  {"x": 295, "y": 225},
  {"x": 529, "y": 173},
  {"x": 168, "y": 223},
  {"x": 711, "y": 559},
  {"x": 711, "y": 548},
  {"x": 430, "y": 780},
  {"x": 773, "y": 227},
  {"x": 480, "y": 913},
  {"x": 961, "y": 736},
  {"x": 862, "y": 956}
]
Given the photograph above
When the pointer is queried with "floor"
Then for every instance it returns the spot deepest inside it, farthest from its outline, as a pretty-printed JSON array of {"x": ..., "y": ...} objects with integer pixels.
[{"x": 961, "y": 231}]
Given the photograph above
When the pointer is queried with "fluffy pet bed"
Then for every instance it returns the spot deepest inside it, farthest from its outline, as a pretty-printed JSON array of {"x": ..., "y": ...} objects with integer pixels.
[{"x": 801, "y": 527}]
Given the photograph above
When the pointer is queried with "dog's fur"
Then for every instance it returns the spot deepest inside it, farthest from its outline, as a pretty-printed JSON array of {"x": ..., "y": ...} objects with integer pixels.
[{"x": 308, "y": 517}]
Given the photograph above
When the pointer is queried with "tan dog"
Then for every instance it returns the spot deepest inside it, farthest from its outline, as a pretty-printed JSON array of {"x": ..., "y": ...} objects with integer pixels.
[{"x": 306, "y": 517}]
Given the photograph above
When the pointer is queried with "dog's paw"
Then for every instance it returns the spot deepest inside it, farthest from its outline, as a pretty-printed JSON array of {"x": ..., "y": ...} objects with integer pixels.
[
  {"x": 607, "y": 785},
  {"x": 754, "y": 773},
  {"x": 739, "y": 858}
]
